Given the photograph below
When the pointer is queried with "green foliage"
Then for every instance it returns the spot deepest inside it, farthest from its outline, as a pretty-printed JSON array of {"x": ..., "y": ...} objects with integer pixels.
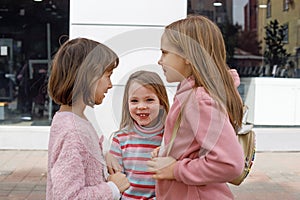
[{"x": 275, "y": 54}]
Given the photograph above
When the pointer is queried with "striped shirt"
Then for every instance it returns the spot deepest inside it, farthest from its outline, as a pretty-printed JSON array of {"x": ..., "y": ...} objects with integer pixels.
[{"x": 132, "y": 148}]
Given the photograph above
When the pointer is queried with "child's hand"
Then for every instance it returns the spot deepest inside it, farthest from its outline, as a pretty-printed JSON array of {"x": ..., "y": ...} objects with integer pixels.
[
  {"x": 162, "y": 167},
  {"x": 155, "y": 152},
  {"x": 120, "y": 180},
  {"x": 112, "y": 163}
]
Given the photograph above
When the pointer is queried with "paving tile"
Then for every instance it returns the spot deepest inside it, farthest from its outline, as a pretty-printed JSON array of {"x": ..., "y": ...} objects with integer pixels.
[
  {"x": 36, "y": 195},
  {"x": 274, "y": 176},
  {"x": 16, "y": 160},
  {"x": 16, "y": 194},
  {"x": 8, "y": 186},
  {"x": 41, "y": 188},
  {"x": 5, "y": 156},
  {"x": 4, "y": 193},
  {"x": 25, "y": 186}
]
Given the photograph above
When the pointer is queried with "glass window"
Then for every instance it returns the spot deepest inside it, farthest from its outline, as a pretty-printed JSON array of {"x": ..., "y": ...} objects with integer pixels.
[
  {"x": 31, "y": 32},
  {"x": 286, "y": 5},
  {"x": 269, "y": 8},
  {"x": 286, "y": 33}
]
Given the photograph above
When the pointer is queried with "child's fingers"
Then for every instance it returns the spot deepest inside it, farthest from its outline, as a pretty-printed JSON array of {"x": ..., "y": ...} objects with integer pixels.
[
  {"x": 116, "y": 167},
  {"x": 154, "y": 153},
  {"x": 151, "y": 165},
  {"x": 113, "y": 165},
  {"x": 110, "y": 170}
]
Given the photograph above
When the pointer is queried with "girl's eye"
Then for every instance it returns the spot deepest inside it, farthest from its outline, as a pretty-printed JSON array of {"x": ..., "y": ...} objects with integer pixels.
[
  {"x": 133, "y": 101},
  {"x": 150, "y": 99}
]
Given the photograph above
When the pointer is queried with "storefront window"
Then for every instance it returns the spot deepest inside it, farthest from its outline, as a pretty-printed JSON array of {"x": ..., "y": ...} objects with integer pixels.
[{"x": 29, "y": 37}]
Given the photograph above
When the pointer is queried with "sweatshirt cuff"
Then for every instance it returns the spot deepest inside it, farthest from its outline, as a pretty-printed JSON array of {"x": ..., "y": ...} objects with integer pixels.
[
  {"x": 176, "y": 171},
  {"x": 115, "y": 190}
]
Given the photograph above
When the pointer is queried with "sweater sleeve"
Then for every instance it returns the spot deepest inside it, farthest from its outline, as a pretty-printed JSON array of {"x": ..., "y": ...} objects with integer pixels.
[
  {"x": 116, "y": 150},
  {"x": 215, "y": 155},
  {"x": 68, "y": 173}
]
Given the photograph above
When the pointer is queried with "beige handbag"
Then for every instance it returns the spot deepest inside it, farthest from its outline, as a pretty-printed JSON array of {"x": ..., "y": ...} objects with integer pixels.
[{"x": 246, "y": 137}]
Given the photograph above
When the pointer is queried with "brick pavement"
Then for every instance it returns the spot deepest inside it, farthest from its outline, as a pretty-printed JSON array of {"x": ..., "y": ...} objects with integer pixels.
[
  {"x": 23, "y": 175},
  {"x": 275, "y": 176}
]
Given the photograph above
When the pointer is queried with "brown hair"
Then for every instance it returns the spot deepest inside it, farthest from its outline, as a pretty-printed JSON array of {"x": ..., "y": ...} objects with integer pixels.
[
  {"x": 200, "y": 41},
  {"x": 150, "y": 80},
  {"x": 77, "y": 65}
]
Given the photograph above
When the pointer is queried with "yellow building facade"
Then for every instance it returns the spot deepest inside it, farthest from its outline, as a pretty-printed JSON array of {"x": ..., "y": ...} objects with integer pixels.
[{"x": 287, "y": 13}]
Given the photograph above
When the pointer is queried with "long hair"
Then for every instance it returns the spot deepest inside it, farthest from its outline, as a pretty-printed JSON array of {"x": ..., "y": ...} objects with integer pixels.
[
  {"x": 152, "y": 81},
  {"x": 200, "y": 41},
  {"x": 76, "y": 67}
]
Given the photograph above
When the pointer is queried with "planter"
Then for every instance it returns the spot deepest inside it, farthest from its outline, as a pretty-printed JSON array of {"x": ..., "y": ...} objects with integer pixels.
[{"x": 272, "y": 101}]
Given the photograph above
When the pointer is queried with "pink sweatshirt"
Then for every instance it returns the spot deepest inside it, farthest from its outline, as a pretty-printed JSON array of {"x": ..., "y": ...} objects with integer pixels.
[
  {"x": 75, "y": 160},
  {"x": 206, "y": 148}
]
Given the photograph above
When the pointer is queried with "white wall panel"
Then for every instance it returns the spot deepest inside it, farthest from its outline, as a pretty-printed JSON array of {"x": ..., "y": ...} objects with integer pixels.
[
  {"x": 133, "y": 29},
  {"x": 137, "y": 47},
  {"x": 122, "y": 39},
  {"x": 138, "y": 12},
  {"x": 272, "y": 101}
]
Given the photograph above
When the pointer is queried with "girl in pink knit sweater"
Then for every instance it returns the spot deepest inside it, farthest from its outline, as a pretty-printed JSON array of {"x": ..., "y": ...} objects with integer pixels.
[
  {"x": 80, "y": 77},
  {"x": 200, "y": 152}
]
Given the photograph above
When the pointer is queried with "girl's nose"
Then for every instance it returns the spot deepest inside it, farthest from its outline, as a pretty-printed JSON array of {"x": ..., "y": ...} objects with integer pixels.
[
  {"x": 159, "y": 61},
  {"x": 109, "y": 85},
  {"x": 142, "y": 107}
]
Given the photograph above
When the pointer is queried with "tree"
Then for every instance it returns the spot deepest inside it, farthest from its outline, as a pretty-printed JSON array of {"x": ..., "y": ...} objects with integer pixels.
[
  {"x": 230, "y": 34},
  {"x": 275, "y": 54}
]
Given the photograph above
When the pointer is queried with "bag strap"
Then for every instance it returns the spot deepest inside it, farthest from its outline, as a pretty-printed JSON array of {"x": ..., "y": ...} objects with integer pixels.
[
  {"x": 177, "y": 124},
  {"x": 246, "y": 127},
  {"x": 175, "y": 130}
]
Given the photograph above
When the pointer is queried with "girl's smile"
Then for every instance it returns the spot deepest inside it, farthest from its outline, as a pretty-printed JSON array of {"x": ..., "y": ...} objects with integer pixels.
[{"x": 143, "y": 104}]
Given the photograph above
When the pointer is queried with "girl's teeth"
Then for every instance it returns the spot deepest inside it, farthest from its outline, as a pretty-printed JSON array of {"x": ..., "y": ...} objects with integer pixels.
[{"x": 142, "y": 115}]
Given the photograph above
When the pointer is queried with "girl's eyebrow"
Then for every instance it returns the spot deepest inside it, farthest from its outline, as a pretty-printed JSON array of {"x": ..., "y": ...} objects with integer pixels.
[{"x": 149, "y": 96}]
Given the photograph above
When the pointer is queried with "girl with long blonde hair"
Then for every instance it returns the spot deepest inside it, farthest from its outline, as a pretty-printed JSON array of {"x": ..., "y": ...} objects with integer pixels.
[{"x": 200, "y": 152}]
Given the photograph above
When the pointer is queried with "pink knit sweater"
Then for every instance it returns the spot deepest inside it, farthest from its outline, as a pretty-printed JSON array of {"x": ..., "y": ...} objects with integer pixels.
[{"x": 75, "y": 160}]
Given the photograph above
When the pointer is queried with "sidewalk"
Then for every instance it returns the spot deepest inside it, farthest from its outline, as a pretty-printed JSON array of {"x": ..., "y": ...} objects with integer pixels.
[
  {"x": 275, "y": 176},
  {"x": 23, "y": 175}
]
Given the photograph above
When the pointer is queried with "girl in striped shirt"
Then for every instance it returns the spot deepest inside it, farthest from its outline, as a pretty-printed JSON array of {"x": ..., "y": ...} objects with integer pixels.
[{"x": 145, "y": 106}]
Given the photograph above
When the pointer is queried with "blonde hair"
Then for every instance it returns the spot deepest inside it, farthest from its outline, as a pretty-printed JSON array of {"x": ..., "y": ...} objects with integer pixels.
[
  {"x": 76, "y": 67},
  {"x": 152, "y": 81},
  {"x": 200, "y": 41}
]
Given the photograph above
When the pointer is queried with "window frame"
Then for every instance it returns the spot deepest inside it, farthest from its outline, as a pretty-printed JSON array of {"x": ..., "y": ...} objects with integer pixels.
[{"x": 285, "y": 39}]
